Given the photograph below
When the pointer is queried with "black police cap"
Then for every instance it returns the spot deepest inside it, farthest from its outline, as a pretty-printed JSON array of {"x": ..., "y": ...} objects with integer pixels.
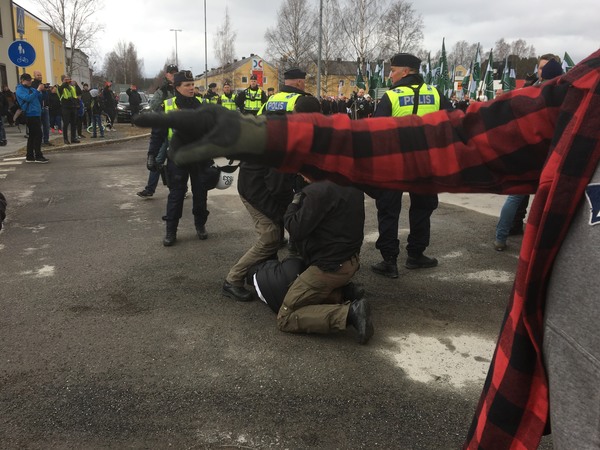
[
  {"x": 180, "y": 77},
  {"x": 294, "y": 74},
  {"x": 253, "y": 77},
  {"x": 406, "y": 60},
  {"x": 212, "y": 85},
  {"x": 172, "y": 68}
]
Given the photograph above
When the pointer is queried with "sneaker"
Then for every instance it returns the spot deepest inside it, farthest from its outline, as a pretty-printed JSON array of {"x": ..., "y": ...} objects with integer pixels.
[
  {"x": 420, "y": 262},
  {"x": 145, "y": 194},
  {"x": 3, "y": 143},
  {"x": 59, "y": 131},
  {"x": 42, "y": 160},
  {"x": 76, "y": 141},
  {"x": 29, "y": 160},
  {"x": 201, "y": 232},
  {"x": 93, "y": 136}
]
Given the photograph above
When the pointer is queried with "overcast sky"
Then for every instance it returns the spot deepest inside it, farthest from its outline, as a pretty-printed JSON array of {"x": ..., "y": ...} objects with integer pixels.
[{"x": 551, "y": 26}]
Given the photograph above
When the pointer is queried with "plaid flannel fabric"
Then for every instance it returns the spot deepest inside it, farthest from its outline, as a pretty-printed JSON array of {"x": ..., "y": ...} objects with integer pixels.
[{"x": 541, "y": 139}]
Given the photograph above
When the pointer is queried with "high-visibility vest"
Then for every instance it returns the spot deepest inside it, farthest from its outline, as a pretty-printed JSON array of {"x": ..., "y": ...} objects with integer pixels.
[
  {"x": 253, "y": 100},
  {"x": 228, "y": 103},
  {"x": 68, "y": 93},
  {"x": 171, "y": 105},
  {"x": 213, "y": 99},
  {"x": 280, "y": 103},
  {"x": 404, "y": 98}
]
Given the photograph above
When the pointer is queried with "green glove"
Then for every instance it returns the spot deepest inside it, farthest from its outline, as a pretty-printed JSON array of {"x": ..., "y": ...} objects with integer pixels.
[{"x": 210, "y": 132}]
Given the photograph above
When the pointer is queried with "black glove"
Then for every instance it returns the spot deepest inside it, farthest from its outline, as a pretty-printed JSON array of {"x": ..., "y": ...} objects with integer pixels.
[
  {"x": 151, "y": 164},
  {"x": 210, "y": 132}
]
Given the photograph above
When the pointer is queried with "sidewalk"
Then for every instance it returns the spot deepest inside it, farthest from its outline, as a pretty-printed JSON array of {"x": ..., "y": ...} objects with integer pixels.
[{"x": 17, "y": 140}]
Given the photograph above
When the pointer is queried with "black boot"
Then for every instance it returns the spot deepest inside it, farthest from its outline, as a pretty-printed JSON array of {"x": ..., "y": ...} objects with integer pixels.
[
  {"x": 170, "y": 238},
  {"x": 171, "y": 235},
  {"x": 387, "y": 268},
  {"x": 420, "y": 262},
  {"x": 201, "y": 232},
  {"x": 359, "y": 316},
  {"x": 352, "y": 292}
]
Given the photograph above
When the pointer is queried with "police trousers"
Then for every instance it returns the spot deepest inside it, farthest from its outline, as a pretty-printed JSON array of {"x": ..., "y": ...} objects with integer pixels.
[
  {"x": 389, "y": 205},
  {"x": 178, "y": 178},
  {"x": 314, "y": 302}
]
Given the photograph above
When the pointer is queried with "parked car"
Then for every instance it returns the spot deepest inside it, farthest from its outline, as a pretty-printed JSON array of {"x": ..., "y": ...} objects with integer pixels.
[{"x": 124, "y": 110}]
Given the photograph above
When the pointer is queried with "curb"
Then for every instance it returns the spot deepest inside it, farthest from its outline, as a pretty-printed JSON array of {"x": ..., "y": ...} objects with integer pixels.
[{"x": 83, "y": 145}]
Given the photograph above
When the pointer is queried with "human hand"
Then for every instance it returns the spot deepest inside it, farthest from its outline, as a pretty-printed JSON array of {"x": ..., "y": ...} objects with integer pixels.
[{"x": 210, "y": 132}]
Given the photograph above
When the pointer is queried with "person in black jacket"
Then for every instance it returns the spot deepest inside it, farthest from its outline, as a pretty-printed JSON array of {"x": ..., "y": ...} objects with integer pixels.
[
  {"x": 135, "y": 100},
  {"x": 326, "y": 222},
  {"x": 201, "y": 176}
]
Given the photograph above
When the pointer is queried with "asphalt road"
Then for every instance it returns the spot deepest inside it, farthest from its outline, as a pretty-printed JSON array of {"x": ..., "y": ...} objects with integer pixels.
[{"x": 110, "y": 340}]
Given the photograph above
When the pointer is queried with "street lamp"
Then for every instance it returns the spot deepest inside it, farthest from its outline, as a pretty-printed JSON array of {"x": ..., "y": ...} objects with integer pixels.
[
  {"x": 205, "y": 51},
  {"x": 176, "y": 57}
]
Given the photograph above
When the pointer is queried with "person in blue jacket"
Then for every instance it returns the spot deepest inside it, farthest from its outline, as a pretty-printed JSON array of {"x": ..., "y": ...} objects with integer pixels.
[{"x": 30, "y": 102}]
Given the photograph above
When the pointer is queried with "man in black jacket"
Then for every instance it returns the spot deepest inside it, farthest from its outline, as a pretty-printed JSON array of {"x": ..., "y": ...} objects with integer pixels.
[
  {"x": 2, "y": 209},
  {"x": 135, "y": 100},
  {"x": 326, "y": 222}
]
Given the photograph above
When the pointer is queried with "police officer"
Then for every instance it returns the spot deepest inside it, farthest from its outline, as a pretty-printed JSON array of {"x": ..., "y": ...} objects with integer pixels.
[
  {"x": 252, "y": 98},
  {"x": 408, "y": 95},
  {"x": 211, "y": 96},
  {"x": 227, "y": 99},
  {"x": 200, "y": 175},
  {"x": 283, "y": 102}
]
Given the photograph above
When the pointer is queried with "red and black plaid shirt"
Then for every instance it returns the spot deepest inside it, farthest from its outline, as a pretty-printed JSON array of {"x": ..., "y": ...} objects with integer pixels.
[{"x": 539, "y": 139}]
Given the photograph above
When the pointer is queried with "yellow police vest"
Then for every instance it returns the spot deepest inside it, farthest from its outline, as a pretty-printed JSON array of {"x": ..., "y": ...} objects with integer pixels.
[
  {"x": 68, "y": 93},
  {"x": 282, "y": 102},
  {"x": 170, "y": 105},
  {"x": 214, "y": 99},
  {"x": 403, "y": 100},
  {"x": 228, "y": 103},
  {"x": 253, "y": 100}
]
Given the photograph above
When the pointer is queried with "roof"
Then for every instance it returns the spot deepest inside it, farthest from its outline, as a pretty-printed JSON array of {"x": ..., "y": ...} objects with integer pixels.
[{"x": 231, "y": 67}]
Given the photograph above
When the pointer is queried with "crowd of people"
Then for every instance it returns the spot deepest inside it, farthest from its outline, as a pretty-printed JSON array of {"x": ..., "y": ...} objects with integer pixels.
[{"x": 541, "y": 139}]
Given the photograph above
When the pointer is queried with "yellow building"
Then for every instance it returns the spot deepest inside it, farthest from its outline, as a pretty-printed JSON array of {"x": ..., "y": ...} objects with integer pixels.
[
  {"x": 48, "y": 45},
  {"x": 238, "y": 74}
]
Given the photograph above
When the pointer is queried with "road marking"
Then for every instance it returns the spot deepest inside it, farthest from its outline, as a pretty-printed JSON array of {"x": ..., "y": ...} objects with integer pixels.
[
  {"x": 19, "y": 158},
  {"x": 456, "y": 360},
  {"x": 43, "y": 272},
  {"x": 489, "y": 276},
  {"x": 8, "y": 169},
  {"x": 3, "y": 176},
  {"x": 11, "y": 163}
]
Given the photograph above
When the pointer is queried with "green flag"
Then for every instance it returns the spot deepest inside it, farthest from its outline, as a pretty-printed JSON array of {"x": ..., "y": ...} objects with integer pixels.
[
  {"x": 465, "y": 83},
  {"x": 476, "y": 74},
  {"x": 444, "y": 80},
  {"x": 512, "y": 78},
  {"x": 567, "y": 63},
  {"x": 428, "y": 77},
  {"x": 360, "y": 82},
  {"x": 506, "y": 77},
  {"x": 489, "y": 79}
]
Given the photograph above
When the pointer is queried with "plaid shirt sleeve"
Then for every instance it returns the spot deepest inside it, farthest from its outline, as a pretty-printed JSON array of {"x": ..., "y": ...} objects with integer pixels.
[{"x": 543, "y": 140}]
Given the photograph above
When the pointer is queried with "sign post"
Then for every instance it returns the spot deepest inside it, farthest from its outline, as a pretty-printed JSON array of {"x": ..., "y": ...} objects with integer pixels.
[{"x": 21, "y": 53}]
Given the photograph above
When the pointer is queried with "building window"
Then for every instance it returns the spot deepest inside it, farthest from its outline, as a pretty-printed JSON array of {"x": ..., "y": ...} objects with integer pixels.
[
  {"x": 53, "y": 52},
  {"x": 244, "y": 79},
  {"x": 352, "y": 83},
  {"x": 341, "y": 84},
  {"x": 265, "y": 80},
  {"x": 3, "y": 77}
]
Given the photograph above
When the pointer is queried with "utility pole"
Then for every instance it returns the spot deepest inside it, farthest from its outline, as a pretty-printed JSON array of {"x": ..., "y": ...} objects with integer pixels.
[
  {"x": 320, "y": 48},
  {"x": 176, "y": 56},
  {"x": 205, "y": 52}
]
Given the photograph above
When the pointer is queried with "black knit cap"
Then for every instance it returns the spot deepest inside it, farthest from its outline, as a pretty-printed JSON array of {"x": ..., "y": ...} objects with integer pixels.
[
  {"x": 406, "y": 60},
  {"x": 26, "y": 77},
  {"x": 551, "y": 69},
  {"x": 294, "y": 74},
  {"x": 180, "y": 77}
]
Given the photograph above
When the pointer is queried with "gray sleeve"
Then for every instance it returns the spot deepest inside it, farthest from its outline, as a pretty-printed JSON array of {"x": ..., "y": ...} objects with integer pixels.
[{"x": 157, "y": 100}]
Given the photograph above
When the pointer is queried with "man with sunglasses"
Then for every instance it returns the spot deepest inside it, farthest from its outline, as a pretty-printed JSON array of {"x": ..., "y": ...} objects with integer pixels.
[{"x": 177, "y": 177}]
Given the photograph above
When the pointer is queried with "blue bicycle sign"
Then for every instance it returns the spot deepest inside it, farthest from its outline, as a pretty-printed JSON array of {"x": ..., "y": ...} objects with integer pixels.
[{"x": 21, "y": 53}]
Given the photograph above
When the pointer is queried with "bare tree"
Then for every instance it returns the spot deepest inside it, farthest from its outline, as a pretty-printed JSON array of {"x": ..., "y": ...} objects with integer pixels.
[
  {"x": 521, "y": 49},
  {"x": 462, "y": 53},
  {"x": 501, "y": 49},
  {"x": 122, "y": 65},
  {"x": 224, "y": 44},
  {"x": 293, "y": 38},
  {"x": 362, "y": 22},
  {"x": 403, "y": 28},
  {"x": 74, "y": 19}
]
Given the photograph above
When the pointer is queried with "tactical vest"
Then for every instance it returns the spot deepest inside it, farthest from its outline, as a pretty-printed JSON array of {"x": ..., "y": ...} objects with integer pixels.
[
  {"x": 171, "y": 105},
  {"x": 280, "y": 103},
  {"x": 214, "y": 99},
  {"x": 228, "y": 103},
  {"x": 415, "y": 99},
  {"x": 253, "y": 99}
]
